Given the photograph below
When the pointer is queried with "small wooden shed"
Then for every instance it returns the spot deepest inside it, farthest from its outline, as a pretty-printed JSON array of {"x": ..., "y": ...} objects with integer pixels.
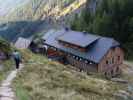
[{"x": 23, "y": 43}]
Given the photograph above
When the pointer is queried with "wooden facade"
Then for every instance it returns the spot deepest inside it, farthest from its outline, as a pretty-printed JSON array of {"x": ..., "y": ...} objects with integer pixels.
[
  {"x": 82, "y": 65},
  {"x": 73, "y": 46}
]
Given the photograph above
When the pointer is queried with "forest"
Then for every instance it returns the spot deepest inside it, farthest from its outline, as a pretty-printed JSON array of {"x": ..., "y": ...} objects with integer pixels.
[{"x": 112, "y": 18}]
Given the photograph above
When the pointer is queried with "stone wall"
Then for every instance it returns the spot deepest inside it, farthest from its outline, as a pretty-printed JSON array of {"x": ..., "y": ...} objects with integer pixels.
[{"x": 111, "y": 62}]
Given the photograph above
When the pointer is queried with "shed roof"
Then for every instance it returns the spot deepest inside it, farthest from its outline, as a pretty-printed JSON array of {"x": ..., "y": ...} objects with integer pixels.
[
  {"x": 96, "y": 51},
  {"x": 22, "y": 43},
  {"x": 48, "y": 34}
]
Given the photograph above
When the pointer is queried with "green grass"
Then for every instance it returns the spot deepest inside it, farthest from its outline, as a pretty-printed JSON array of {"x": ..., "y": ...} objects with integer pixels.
[
  {"x": 21, "y": 93},
  {"x": 7, "y": 67},
  {"x": 44, "y": 80}
]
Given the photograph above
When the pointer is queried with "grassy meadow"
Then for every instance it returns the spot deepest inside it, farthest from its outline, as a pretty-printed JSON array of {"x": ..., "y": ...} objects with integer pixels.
[{"x": 45, "y": 80}]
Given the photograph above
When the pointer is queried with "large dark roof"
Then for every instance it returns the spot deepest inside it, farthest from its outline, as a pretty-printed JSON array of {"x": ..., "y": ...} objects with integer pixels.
[
  {"x": 96, "y": 51},
  {"x": 78, "y": 38}
]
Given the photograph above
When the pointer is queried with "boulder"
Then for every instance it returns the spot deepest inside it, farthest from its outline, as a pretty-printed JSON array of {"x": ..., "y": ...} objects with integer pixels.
[
  {"x": 123, "y": 95},
  {"x": 130, "y": 88},
  {"x": 119, "y": 80},
  {"x": 120, "y": 96}
]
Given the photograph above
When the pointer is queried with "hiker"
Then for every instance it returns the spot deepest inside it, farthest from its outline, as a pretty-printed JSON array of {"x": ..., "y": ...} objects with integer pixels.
[{"x": 17, "y": 58}]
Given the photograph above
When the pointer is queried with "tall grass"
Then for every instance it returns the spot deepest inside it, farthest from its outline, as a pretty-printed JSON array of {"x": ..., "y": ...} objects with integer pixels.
[
  {"x": 21, "y": 93},
  {"x": 44, "y": 80},
  {"x": 7, "y": 66}
]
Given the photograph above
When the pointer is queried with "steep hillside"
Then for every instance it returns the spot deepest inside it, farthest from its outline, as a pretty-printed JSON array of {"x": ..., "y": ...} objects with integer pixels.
[
  {"x": 41, "y": 9},
  {"x": 7, "y": 6},
  {"x": 35, "y": 16},
  {"x": 44, "y": 80}
]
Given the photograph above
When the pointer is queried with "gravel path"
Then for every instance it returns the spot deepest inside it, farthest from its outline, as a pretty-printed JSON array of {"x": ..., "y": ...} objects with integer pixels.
[{"x": 6, "y": 92}]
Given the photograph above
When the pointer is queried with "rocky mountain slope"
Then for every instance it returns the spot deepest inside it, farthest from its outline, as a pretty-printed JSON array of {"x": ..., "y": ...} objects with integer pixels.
[
  {"x": 25, "y": 17},
  {"x": 40, "y": 9},
  {"x": 9, "y": 5}
]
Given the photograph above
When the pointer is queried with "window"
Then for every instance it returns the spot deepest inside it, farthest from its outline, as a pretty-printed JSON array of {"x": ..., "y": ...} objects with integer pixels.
[
  {"x": 113, "y": 60},
  {"x": 107, "y": 62},
  {"x": 105, "y": 73},
  {"x": 55, "y": 49},
  {"x": 68, "y": 55},
  {"x": 118, "y": 58},
  {"x": 86, "y": 62},
  {"x": 77, "y": 58},
  {"x": 80, "y": 59},
  {"x": 90, "y": 63},
  {"x": 73, "y": 56},
  {"x": 117, "y": 69},
  {"x": 112, "y": 72}
]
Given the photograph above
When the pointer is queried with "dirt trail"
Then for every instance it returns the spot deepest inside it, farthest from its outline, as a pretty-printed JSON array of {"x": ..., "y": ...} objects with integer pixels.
[{"x": 6, "y": 92}]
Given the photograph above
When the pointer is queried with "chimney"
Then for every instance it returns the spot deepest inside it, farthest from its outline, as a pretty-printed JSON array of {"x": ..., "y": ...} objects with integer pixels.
[
  {"x": 67, "y": 29},
  {"x": 84, "y": 32}
]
